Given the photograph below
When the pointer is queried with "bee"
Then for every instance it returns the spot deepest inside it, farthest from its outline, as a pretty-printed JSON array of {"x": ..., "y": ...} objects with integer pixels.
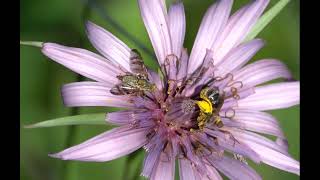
[
  {"x": 137, "y": 82},
  {"x": 209, "y": 106}
]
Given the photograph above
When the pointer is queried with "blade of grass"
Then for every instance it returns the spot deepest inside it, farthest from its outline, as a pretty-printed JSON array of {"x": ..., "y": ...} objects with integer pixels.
[
  {"x": 84, "y": 119},
  {"x": 31, "y": 43},
  {"x": 266, "y": 18}
]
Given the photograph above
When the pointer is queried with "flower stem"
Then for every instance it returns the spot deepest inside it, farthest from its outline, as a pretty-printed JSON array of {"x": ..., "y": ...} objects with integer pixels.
[
  {"x": 68, "y": 166},
  {"x": 129, "y": 163},
  {"x": 138, "y": 170}
]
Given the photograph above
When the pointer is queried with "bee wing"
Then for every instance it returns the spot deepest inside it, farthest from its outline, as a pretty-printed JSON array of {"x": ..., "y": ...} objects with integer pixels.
[
  {"x": 136, "y": 63},
  {"x": 220, "y": 102}
]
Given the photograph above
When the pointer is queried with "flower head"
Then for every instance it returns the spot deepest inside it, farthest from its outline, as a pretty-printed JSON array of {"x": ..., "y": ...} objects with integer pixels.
[{"x": 204, "y": 110}]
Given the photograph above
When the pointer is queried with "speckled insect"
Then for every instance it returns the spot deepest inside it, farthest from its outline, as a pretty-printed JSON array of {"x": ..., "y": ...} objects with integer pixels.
[{"x": 135, "y": 83}]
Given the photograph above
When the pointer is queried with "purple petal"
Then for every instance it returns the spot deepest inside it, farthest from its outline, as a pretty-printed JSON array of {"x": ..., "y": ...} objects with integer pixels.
[
  {"x": 152, "y": 158},
  {"x": 83, "y": 62},
  {"x": 238, "y": 56},
  {"x": 270, "y": 152},
  {"x": 177, "y": 26},
  {"x": 154, "y": 148},
  {"x": 141, "y": 116},
  {"x": 154, "y": 15},
  {"x": 182, "y": 72},
  {"x": 257, "y": 121},
  {"x": 212, "y": 174},
  {"x": 233, "y": 146},
  {"x": 211, "y": 26},
  {"x": 276, "y": 159},
  {"x": 186, "y": 171},
  {"x": 283, "y": 143},
  {"x": 171, "y": 67},
  {"x": 107, "y": 146},
  {"x": 141, "y": 102},
  {"x": 234, "y": 170},
  {"x": 108, "y": 45},
  {"x": 254, "y": 138},
  {"x": 238, "y": 26},
  {"x": 190, "y": 155},
  {"x": 155, "y": 78},
  {"x": 92, "y": 94},
  {"x": 262, "y": 71},
  {"x": 165, "y": 168},
  {"x": 274, "y": 96}
]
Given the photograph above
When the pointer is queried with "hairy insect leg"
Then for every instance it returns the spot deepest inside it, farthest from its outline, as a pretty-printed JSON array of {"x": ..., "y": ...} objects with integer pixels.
[{"x": 231, "y": 136}]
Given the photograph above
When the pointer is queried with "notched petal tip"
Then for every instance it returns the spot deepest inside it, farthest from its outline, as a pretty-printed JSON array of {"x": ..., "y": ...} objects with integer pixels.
[
  {"x": 56, "y": 155},
  {"x": 29, "y": 126},
  {"x": 32, "y": 43},
  {"x": 262, "y": 42}
]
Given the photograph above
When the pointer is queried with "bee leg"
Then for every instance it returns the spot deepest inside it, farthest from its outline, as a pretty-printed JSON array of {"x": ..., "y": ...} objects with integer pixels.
[{"x": 218, "y": 122}]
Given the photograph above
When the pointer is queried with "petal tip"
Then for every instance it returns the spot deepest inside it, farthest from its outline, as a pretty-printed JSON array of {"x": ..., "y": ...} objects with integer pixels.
[
  {"x": 89, "y": 25},
  {"x": 56, "y": 155}
]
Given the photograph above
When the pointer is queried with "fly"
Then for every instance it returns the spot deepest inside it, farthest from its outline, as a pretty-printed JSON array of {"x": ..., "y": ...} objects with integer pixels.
[{"x": 137, "y": 82}]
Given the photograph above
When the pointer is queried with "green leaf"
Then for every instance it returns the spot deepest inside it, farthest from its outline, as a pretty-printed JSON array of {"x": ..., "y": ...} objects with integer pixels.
[
  {"x": 265, "y": 19},
  {"x": 84, "y": 119},
  {"x": 31, "y": 43},
  {"x": 133, "y": 165}
]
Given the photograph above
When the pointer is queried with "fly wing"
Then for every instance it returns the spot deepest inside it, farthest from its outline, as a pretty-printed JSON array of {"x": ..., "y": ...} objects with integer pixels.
[
  {"x": 116, "y": 90},
  {"x": 136, "y": 63}
]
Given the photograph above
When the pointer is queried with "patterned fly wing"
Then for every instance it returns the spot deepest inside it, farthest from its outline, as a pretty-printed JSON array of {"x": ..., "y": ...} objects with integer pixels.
[{"x": 136, "y": 64}]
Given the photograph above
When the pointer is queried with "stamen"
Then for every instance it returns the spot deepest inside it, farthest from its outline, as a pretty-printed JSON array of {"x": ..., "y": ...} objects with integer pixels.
[
  {"x": 219, "y": 78},
  {"x": 229, "y": 113},
  {"x": 222, "y": 82},
  {"x": 236, "y": 82},
  {"x": 235, "y": 93}
]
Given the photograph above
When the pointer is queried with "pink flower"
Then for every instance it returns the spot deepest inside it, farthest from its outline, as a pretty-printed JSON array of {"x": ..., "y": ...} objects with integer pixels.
[{"x": 166, "y": 120}]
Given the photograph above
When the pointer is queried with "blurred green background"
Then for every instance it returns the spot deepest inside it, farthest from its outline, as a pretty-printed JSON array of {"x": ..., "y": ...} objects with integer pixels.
[{"x": 61, "y": 21}]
